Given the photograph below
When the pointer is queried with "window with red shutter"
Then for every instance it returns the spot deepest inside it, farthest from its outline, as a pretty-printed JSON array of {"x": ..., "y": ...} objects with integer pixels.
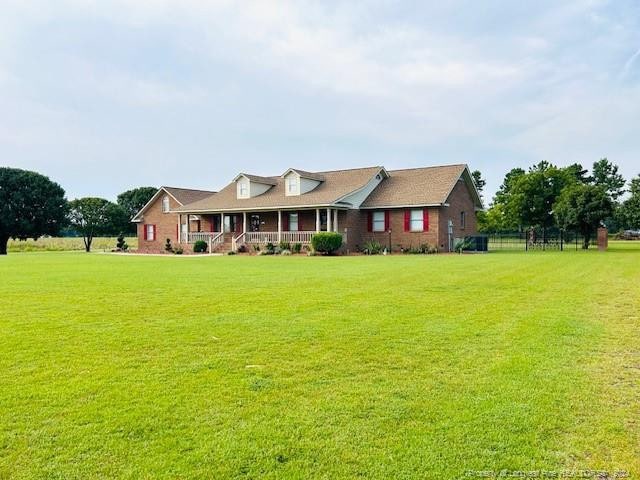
[
  {"x": 144, "y": 231},
  {"x": 407, "y": 220},
  {"x": 369, "y": 221},
  {"x": 425, "y": 220},
  {"x": 387, "y": 220},
  {"x": 285, "y": 222}
]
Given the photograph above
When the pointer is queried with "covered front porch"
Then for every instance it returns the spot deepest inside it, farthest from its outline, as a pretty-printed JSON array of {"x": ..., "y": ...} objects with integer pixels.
[{"x": 234, "y": 229}]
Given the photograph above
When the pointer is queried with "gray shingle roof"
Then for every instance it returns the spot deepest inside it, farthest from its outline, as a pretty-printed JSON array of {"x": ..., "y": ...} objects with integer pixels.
[
  {"x": 336, "y": 184},
  {"x": 415, "y": 186},
  {"x": 188, "y": 195}
]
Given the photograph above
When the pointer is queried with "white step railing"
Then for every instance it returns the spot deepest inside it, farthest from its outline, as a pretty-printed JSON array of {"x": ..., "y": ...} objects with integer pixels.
[{"x": 193, "y": 237}]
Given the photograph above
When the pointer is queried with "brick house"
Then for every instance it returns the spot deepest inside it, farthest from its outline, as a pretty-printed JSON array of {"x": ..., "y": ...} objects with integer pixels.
[{"x": 398, "y": 208}]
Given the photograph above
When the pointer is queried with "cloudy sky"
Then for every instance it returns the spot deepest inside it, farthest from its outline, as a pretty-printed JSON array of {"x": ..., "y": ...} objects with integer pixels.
[{"x": 106, "y": 95}]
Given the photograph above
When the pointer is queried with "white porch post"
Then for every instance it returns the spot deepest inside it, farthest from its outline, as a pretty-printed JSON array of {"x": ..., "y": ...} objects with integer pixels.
[
  {"x": 279, "y": 225},
  {"x": 317, "y": 219},
  {"x": 335, "y": 220},
  {"x": 222, "y": 222},
  {"x": 328, "y": 219},
  {"x": 179, "y": 228},
  {"x": 244, "y": 222}
]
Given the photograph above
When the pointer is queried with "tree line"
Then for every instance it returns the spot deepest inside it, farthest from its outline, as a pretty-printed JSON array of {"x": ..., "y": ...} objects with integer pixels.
[
  {"x": 31, "y": 205},
  {"x": 551, "y": 198}
]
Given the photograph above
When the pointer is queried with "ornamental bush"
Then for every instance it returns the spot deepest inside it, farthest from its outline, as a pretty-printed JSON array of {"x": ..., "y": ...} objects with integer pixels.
[
  {"x": 326, "y": 242},
  {"x": 200, "y": 246}
]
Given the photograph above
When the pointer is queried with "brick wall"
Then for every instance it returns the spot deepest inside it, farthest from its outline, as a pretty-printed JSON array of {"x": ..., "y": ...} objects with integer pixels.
[
  {"x": 165, "y": 226},
  {"x": 459, "y": 201}
]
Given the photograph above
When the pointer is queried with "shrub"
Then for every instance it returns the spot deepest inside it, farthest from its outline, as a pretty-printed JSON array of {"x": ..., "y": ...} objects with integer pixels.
[
  {"x": 372, "y": 247},
  {"x": 121, "y": 244},
  {"x": 256, "y": 247},
  {"x": 285, "y": 252},
  {"x": 200, "y": 246},
  {"x": 270, "y": 248},
  {"x": 326, "y": 242},
  {"x": 242, "y": 249},
  {"x": 231, "y": 252},
  {"x": 297, "y": 247},
  {"x": 284, "y": 245},
  {"x": 167, "y": 246},
  {"x": 178, "y": 251}
]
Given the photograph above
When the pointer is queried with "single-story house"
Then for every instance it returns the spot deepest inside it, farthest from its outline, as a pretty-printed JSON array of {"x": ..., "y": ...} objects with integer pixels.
[{"x": 397, "y": 208}]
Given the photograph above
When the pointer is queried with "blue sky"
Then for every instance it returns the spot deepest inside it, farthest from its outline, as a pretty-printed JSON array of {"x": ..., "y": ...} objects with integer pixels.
[{"x": 105, "y": 96}]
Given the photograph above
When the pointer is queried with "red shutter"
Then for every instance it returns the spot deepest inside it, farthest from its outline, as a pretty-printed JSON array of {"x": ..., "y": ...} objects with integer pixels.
[
  {"x": 369, "y": 221},
  {"x": 299, "y": 221},
  {"x": 425, "y": 220},
  {"x": 285, "y": 222},
  {"x": 177, "y": 232},
  {"x": 213, "y": 227},
  {"x": 407, "y": 220},
  {"x": 238, "y": 219},
  {"x": 387, "y": 220},
  {"x": 144, "y": 231}
]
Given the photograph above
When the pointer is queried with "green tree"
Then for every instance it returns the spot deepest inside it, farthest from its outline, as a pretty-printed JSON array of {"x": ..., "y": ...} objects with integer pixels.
[
  {"x": 507, "y": 185},
  {"x": 533, "y": 195},
  {"x": 92, "y": 217},
  {"x": 583, "y": 208},
  {"x": 629, "y": 211},
  {"x": 478, "y": 181},
  {"x": 31, "y": 205},
  {"x": 132, "y": 202},
  {"x": 578, "y": 172},
  {"x": 605, "y": 175}
]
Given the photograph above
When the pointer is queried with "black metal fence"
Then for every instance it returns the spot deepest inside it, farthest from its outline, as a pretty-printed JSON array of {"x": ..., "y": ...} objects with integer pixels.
[{"x": 534, "y": 240}]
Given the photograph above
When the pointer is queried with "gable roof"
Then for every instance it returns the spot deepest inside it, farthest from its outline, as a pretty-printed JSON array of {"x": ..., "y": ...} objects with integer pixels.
[
  {"x": 418, "y": 187},
  {"x": 336, "y": 184},
  {"x": 181, "y": 195},
  {"x": 187, "y": 195},
  {"x": 257, "y": 179},
  {"x": 304, "y": 174}
]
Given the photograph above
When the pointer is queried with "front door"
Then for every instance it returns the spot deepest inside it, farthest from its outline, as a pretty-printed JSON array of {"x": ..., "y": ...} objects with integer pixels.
[{"x": 255, "y": 223}]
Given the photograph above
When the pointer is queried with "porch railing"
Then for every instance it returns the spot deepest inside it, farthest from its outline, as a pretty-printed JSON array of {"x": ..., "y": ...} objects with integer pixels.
[
  {"x": 213, "y": 239},
  {"x": 303, "y": 237}
]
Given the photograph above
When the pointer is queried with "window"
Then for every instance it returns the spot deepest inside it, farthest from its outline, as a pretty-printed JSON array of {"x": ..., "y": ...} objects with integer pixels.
[
  {"x": 165, "y": 204},
  {"x": 463, "y": 220},
  {"x": 292, "y": 185},
  {"x": 378, "y": 223},
  {"x": 416, "y": 222},
  {"x": 243, "y": 189},
  {"x": 151, "y": 232},
  {"x": 293, "y": 222}
]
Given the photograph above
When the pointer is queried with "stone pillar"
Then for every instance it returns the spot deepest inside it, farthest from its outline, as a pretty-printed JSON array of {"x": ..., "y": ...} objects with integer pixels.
[{"x": 603, "y": 239}]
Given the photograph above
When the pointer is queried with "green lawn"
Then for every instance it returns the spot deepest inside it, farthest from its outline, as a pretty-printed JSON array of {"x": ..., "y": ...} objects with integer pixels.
[{"x": 310, "y": 367}]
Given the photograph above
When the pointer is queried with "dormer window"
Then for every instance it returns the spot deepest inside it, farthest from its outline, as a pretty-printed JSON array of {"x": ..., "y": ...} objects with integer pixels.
[
  {"x": 244, "y": 189},
  {"x": 165, "y": 204},
  {"x": 292, "y": 185}
]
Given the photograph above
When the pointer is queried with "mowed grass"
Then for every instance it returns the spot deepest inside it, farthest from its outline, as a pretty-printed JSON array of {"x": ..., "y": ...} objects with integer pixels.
[{"x": 309, "y": 367}]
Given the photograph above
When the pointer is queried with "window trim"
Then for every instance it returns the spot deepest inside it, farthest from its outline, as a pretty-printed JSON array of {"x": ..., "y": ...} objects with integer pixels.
[
  {"x": 166, "y": 206},
  {"x": 150, "y": 231},
  {"x": 419, "y": 211},
  {"x": 292, "y": 223},
  {"x": 379, "y": 220},
  {"x": 463, "y": 220}
]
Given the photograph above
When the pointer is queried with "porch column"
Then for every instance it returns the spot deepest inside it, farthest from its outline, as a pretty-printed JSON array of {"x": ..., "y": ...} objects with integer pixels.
[
  {"x": 335, "y": 220},
  {"x": 317, "y": 219},
  {"x": 188, "y": 226},
  {"x": 179, "y": 239},
  {"x": 222, "y": 222},
  {"x": 328, "y": 219},
  {"x": 279, "y": 225},
  {"x": 244, "y": 222}
]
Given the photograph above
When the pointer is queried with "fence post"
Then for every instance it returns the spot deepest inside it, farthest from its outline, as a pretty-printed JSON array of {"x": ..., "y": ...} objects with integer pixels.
[{"x": 561, "y": 240}]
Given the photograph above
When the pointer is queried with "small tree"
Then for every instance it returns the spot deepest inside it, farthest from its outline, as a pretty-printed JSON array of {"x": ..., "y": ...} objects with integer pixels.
[
  {"x": 167, "y": 246},
  {"x": 121, "y": 244},
  {"x": 31, "y": 205},
  {"x": 90, "y": 217},
  {"x": 583, "y": 208},
  {"x": 326, "y": 242}
]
